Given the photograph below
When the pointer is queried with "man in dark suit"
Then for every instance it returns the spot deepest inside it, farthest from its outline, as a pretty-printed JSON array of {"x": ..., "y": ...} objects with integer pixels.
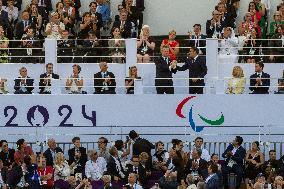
[
  {"x": 4, "y": 21},
  {"x": 197, "y": 39},
  {"x": 114, "y": 166},
  {"x": 197, "y": 70},
  {"x": 22, "y": 26},
  {"x": 136, "y": 168},
  {"x": 104, "y": 81},
  {"x": 45, "y": 79},
  {"x": 212, "y": 181},
  {"x": 24, "y": 84},
  {"x": 164, "y": 70},
  {"x": 44, "y": 8},
  {"x": 7, "y": 154},
  {"x": 77, "y": 156},
  {"x": 234, "y": 156},
  {"x": 124, "y": 25},
  {"x": 139, "y": 7},
  {"x": 260, "y": 81},
  {"x": 51, "y": 152},
  {"x": 213, "y": 26},
  {"x": 196, "y": 165},
  {"x": 93, "y": 10}
]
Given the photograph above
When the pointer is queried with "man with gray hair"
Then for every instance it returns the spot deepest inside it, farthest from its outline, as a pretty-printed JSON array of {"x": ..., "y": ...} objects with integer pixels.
[
  {"x": 104, "y": 81},
  {"x": 95, "y": 167},
  {"x": 196, "y": 165},
  {"x": 24, "y": 84},
  {"x": 51, "y": 152},
  {"x": 132, "y": 181}
]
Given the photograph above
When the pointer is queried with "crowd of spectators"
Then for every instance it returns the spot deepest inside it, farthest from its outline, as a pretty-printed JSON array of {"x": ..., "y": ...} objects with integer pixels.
[{"x": 137, "y": 163}]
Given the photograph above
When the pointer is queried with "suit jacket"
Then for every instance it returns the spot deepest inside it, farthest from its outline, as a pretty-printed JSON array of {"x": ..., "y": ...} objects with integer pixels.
[
  {"x": 112, "y": 168},
  {"x": 7, "y": 158},
  {"x": 99, "y": 82},
  {"x": 41, "y": 84},
  {"x": 213, "y": 182},
  {"x": 142, "y": 145},
  {"x": 239, "y": 88},
  {"x": 196, "y": 69},
  {"x": 29, "y": 84},
  {"x": 200, "y": 43},
  {"x": 210, "y": 30},
  {"x": 202, "y": 169},
  {"x": 162, "y": 68},
  {"x": 263, "y": 89},
  {"x": 4, "y": 19},
  {"x": 19, "y": 29},
  {"x": 126, "y": 30},
  {"x": 48, "y": 155},
  {"x": 100, "y": 21},
  {"x": 238, "y": 157},
  {"x": 83, "y": 159}
]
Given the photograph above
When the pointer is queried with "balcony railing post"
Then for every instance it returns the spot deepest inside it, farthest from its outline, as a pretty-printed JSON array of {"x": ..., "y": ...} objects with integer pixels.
[
  {"x": 131, "y": 51},
  {"x": 51, "y": 51}
]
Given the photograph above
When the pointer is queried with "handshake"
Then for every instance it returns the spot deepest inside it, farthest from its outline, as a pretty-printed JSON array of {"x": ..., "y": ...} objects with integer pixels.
[{"x": 173, "y": 64}]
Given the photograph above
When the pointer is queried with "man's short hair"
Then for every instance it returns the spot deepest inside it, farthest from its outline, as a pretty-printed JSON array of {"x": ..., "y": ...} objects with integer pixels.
[
  {"x": 22, "y": 68},
  {"x": 214, "y": 167},
  {"x": 195, "y": 49},
  {"x": 75, "y": 139},
  {"x": 272, "y": 151},
  {"x": 199, "y": 151},
  {"x": 260, "y": 63},
  {"x": 104, "y": 139},
  {"x": 198, "y": 138},
  {"x": 239, "y": 140},
  {"x": 214, "y": 154},
  {"x": 48, "y": 65},
  {"x": 133, "y": 134},
  {"x": 112, "y": 150},
  {"x": 134, "y": 156},
  {"x": 93, "y": 2},
  {"x": 78, "y": 67},
  {"x": 199, "y": 25}
]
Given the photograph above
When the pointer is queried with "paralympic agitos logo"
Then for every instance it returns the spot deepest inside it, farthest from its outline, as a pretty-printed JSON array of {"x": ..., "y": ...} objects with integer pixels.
[{"x": 192, "y": 124}]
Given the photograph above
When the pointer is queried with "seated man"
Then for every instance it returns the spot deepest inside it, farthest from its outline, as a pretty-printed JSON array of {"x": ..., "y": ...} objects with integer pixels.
[
  {"x": 22, "y": 26},
  {"x": 124, "y": 25},
  {"x": 91, "y": 48},
  {"x": 23, "y": 84},
  {"x": 234, "y": 155},
  {"x": 46, "y": 79},
  {"x": 65, "y": 51},
  {"x": 270, "y": 166},
  {"x": 169, "y": 180},
  {"x": 260, "y": 81},
  {"x": 104, "y": 81},
  {"x": 95, "y": 167}
]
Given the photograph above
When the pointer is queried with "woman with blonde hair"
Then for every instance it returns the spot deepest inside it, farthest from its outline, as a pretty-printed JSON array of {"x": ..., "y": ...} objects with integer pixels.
[
  {"x": 145, "y": 45},
  {"x": 61, "y": 172},
  {"x": 278, "y": 183},
  {"x": 129, "y": 81},
  {"x": 173, "y": 45},
  {"x": 236, "y": 84}
]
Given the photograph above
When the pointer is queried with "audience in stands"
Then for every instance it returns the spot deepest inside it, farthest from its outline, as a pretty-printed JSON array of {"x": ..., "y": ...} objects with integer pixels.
[
  {"x": 260, "y": 81},
  {"x": 23, "y": 84},
  {"x": 172, "y": 44},
  {"x": 275, "y": 23},
  {"x": 61, "y": 172},
  {"x": 103, "y": 150},
  {"x": 252, "y": 46},
  {"x": 123, "y": 24},
  {"x": 213, "y": 26},
  {"x": 160, "y": 157},
  {"x": 236, "y": 84},
  {"x": 95, "y": 167},
  {"x": 145, "y": 45},
  {"x": 198, "y": 144},
  {"x": 4, "y": 42},
  {"x": 129, "y": 81},
  {"x": 104, "y": 81},
  {"x": 277, "y": 45}
]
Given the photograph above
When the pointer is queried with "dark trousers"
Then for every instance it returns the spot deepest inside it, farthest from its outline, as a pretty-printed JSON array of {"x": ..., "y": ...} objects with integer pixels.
[
  {"x": 238, "y": 170},
  {"x": 198, "y": 89},
  {"x": 164, "y": 86}
]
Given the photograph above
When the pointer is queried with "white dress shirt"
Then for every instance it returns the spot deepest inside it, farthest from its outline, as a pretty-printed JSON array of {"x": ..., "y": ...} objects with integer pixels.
[{"x": 95, "y": 170}]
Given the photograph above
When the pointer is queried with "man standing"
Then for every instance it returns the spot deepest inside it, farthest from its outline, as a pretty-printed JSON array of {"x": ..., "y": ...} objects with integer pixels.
[
  {"x": 24, "y": 84},
  {"x": 198, "y": 144},
  {"x": 197, "y": 71},
  {"x": 77, "y": 156},
  {"x": 164, "y": 82},
  {"x": 45, "y": 79},
  {"x": 104, "y": 81},
  {"x": 51, "y": 152},
  {"x": 260, "y": 81},
  {"x": 197, "y": 39},
  {"x": 234, "y": 155}
]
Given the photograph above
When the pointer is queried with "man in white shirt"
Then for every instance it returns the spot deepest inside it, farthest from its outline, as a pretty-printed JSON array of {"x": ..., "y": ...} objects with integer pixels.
[
  {"x": 132, "y": 181},
  {"x": 95, "y": 167},
  {"x": 198, "y": 144}
]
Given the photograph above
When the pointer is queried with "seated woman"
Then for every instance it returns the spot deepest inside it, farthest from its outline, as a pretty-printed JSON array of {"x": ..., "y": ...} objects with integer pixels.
[
  {"x": 54, "y": 28},
  {"x": 3, "y": 86},
  {"x": 236, "y": 85},
  {"x": 116, "y": 46},
  {"x": 228, "y": 45},
  {"x": 145, "y": 45},
  {"x": 61, "y": 172},
  {"x": 75, "y": 82},
  {"x": 129, "y": 81},
  {"x": 276, "y": 23},
  {"x": 252, "y": 45},
  {"x": 173, "y": 44},
  {"x": 254, "y": 161}
]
